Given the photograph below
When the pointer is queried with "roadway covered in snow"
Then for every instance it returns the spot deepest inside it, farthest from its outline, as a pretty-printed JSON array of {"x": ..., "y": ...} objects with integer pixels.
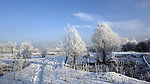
[{"x": 50, "y": 70}]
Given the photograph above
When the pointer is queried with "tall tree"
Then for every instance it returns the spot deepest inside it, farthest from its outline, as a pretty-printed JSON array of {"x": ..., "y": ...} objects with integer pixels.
[
  {"x": 105, "y": 41},
  {"x": 73, "y": 45}
]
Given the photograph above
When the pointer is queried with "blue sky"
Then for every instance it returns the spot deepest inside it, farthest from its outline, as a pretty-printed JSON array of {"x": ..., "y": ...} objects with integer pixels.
[{"x": 45, "y": 20}]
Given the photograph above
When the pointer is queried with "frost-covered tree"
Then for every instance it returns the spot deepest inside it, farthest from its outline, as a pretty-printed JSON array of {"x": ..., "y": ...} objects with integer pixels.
[
  {"x": 143, "y": 46},
  {"x": 26, "y": 48},
  {"x": 130, "y": 45},
  {"x": 2, "y": 48},
  {"x": 12, "y": 47},
  {"x": 124, "y": 41},
  {"x": 20, "y": 59},
  {"x": 105, "y": 41},
  {"x": 148, "y": 43},
  {"x": 26, "y": 53},
  {"x": 133, "y": 40},
  {"x": 66, "y": 44},
  {"x": 73, "y": 45}
]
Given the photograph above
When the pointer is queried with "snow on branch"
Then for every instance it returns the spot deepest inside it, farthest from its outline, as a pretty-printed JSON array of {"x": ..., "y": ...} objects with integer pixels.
[{"x": 146, "y": 61}]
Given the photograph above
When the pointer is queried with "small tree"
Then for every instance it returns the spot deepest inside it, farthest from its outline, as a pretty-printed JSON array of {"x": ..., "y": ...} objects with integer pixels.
[
  {"x": 12, "y": 47},
  {"x": 26, "y": 49},
  {"x": 27, "y": 46},
  {"x": 20, "y": 57},
  {"x": 2, "y": 48},
  {"x": 105, "y": 41},
  {"x": 73, "y": 45}
]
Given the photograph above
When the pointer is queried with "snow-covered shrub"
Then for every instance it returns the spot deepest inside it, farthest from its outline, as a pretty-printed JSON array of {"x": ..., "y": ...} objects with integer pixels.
[
  {"x": 73, "y": 45},
  {"x": 130, "y": 45},
  {"x": 133, "y": 40},
  {"x": 18, "y": 55},
  {"x": 44, "y": 52},
  {"x": 105, "y": 41},
  {"x": 91, "y": 48},
  {"x": 35, "y": 50},
  {"x": 143, "y": 46},
  {"x": 131, "y": 64},
  {"x": 148, "y": 43},
  {"x": 26, "y": 53},
  {"x": 124, "y": 41}
]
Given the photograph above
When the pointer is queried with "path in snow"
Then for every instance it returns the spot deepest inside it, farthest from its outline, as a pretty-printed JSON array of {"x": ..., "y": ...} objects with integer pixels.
[
  {"x": 39, "y": 73},
  {"x": 47, "y": 61}
]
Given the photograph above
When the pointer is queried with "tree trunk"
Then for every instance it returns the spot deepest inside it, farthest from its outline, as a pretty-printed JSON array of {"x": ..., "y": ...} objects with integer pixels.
[
  {"x": 104, "y": 57},
  {"x": 2, "y": 53},
  {"x": 66, "y": 59},
  {"x": 74, "y": 62},
  {"x": 98, "y": 59},
  {"x": 12, "y": 52}
]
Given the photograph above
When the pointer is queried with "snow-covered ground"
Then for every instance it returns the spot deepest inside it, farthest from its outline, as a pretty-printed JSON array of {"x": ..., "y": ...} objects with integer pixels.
[{"x": 50, "y": 70}]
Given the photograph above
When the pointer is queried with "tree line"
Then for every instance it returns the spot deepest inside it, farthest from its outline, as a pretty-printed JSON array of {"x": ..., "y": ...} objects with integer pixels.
[{"x": 104, "y": 42}]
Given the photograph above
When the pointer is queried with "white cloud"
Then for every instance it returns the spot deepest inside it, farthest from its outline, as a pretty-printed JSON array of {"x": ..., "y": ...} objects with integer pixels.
[
  {"x": 133, "y": 28},
  {"x": 88, "y": 17},
  {"x": 83, "y": 26},
  {"x": 126, "y": 25},
  {"x": 96, "y": 19},
  {"x": 87, "y": 26},
  {"x": 84, "y": 16}
]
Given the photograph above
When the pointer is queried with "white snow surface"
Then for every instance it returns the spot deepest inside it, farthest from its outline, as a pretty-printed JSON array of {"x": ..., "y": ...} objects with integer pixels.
[{"x": 50, "y": 70}]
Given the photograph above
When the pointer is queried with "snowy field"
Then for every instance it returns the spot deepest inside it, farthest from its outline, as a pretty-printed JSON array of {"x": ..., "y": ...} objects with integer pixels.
[{"x": 50, "y": 70}]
